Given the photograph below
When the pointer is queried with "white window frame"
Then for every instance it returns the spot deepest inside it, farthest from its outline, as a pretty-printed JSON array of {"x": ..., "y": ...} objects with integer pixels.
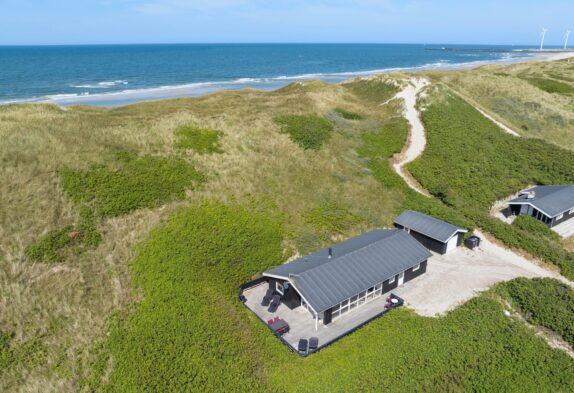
[
  {"x": 560, "y": 216},
  {"x": 279, "y": 288},
  {"x": 417, "y": 267},
  {"x": 392, "y": 280}
]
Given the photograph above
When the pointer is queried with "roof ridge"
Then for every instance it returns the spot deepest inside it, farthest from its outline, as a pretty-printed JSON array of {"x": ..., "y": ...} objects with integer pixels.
[{"x": 394, "y": 233}]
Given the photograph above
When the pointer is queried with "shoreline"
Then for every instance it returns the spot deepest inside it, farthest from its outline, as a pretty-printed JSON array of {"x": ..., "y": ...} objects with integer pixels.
[{"x": 132, "y": 96}]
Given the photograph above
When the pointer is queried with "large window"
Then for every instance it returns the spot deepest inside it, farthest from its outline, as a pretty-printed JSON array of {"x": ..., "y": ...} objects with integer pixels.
[{"x": 356, "y": 301}]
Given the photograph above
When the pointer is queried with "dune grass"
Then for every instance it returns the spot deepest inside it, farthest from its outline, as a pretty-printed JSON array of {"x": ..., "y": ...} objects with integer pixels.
[
  {"x": 517, "y": 96},
  {"x": 201, "y": 140},
  {"x": 79, "y": 324},
  {"x": 470, "y": 164},
  {"x": 62, "y": 309}
]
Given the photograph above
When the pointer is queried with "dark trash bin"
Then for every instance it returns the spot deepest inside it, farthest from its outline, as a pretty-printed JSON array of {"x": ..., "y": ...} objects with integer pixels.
[{"x": 472, "y": 242}]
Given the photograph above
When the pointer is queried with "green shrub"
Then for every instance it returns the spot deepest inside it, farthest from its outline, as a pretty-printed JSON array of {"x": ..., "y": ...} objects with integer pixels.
[
  {"x": 187, "y": 334},
  {"x": 49, "y": 247},
  {"x": 386, "y": 142},
  {"x": 309, "y": 132},
  {"x": 201, "y": 140},
  {"x": 545, "y": 302},
  {"x": 135, "y": 183},
  {"x": 331, "y": 218},
  {"x": 190, "y": 332},
  {"x": 551, "y": 86},
  {"x": 480, "y": 164},
  {"x": 348, "y": 115},
  {"x": 536, "y": 227}
]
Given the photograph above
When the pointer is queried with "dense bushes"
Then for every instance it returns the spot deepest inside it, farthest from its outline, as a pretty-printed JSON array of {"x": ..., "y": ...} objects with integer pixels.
[
  {"x": 190, "y": 332},
  {"x": 535, "y": 227},
  {"x": 551, "y": 86},
  {"x": 186, "y": 335},
  {"x": 470, "y": 163},
  {"x": 309, "y": 132},
  {"x": 348, "y": 115},
  {"x": 377, "y": 148},
  {"x": 202, "y": 140},
  {"x": 50, "y": 247},
  {"x": 132, "y": 184},
  {"x": 544, "y": 302}
]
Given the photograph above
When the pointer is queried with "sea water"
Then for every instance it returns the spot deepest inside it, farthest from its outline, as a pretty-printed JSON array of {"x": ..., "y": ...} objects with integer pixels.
[{"x": 112, "y": 75}]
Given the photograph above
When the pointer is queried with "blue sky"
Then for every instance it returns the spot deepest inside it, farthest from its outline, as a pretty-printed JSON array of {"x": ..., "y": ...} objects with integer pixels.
[{"x": 184, "y": 21}]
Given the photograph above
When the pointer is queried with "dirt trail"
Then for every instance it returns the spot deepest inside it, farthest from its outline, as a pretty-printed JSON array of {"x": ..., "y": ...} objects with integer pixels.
[{"x": 417, "y": 139}]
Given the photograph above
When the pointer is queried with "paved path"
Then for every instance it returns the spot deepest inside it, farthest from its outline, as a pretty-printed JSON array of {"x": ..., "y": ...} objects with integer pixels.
[{"x": 417, "y": 138}]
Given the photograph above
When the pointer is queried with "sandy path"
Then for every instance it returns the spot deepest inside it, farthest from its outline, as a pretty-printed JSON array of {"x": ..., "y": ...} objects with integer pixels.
[{"x": 417, "y": 139}]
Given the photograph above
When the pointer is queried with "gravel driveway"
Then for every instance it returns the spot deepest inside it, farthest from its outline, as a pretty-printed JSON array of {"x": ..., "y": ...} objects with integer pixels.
[{"x": 456, "y": 277}]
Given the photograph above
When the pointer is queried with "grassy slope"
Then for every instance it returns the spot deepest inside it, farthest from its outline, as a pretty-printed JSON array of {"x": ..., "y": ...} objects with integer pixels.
[
  {"x": 57, "y": 314},
  {"x": 191, "y": 333},
  {"x": 469, "y": 163},
  {"x": 534, "y": 99},
  {"x": 58, "y": 311}
]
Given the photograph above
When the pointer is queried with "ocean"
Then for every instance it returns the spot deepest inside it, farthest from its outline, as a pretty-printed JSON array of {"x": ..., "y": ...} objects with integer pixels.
[{"x": 113, "y": 75}]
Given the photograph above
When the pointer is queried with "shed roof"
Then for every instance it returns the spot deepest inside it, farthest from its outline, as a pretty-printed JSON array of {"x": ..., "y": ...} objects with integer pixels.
[
  {"x": 427, "y": 225},
  {"x": 357, "y": 264},
  {"x": 551, "y": 200}
]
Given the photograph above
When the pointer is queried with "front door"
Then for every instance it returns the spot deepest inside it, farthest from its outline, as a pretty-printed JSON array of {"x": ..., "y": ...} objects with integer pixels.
[{"x": 401, "y": 278}]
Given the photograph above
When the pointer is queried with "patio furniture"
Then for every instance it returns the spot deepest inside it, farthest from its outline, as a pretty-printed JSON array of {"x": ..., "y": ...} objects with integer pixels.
[
  {"x": 280, "y": 327},
  {"x": 270, "y": 322},
  {"x": 267, "y": 298},
  {"x": 303, "y": 346},
  {"x": 276, "y": 319},
  {"x": 313, "y": 344},
  {"x": 274, "y": 304}
]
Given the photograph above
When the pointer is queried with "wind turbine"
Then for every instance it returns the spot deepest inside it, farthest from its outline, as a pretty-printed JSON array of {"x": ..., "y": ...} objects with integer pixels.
[
  {"x": 566, "y": 36},
  {"x": 544, "y": 30}
]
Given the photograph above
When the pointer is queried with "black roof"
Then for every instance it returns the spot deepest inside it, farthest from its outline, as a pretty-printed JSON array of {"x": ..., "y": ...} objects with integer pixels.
[
  {"x": 551, "y": 200},
  {"x": 357, "y": 264},
  {"x": 427, "y": 225}
]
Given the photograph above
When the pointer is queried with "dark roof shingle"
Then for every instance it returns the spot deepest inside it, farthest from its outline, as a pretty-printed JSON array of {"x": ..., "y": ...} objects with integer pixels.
[
  {"x": 552, "y": 200},
  {"x": 357, "y": 264},
  {"x": 427, "y": 225}
]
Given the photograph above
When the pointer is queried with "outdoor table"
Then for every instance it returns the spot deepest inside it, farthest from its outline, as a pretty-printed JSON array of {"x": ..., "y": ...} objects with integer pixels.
[
  {"x": 279, "y": 327},
  {"x": 394, "y": 301}
]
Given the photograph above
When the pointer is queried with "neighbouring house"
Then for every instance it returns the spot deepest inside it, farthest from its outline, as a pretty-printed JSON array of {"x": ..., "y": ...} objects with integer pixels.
[
  {"x": 436, "y": 235},
  {"x": 552, "y": 205},
  {"x": 334, "y": 281}
]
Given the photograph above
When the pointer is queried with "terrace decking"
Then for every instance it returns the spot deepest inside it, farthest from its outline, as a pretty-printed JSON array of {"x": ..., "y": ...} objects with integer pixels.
[
  {"x": 302, "y": 324},
  {"x": 565, "y": 229}
]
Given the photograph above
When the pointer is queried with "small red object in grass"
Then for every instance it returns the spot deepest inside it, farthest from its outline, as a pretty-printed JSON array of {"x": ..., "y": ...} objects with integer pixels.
[{"x": 74, "y": 234}]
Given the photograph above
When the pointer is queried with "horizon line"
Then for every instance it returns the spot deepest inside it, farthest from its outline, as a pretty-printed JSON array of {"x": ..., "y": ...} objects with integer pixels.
[{"x": 273, "y": 43}]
